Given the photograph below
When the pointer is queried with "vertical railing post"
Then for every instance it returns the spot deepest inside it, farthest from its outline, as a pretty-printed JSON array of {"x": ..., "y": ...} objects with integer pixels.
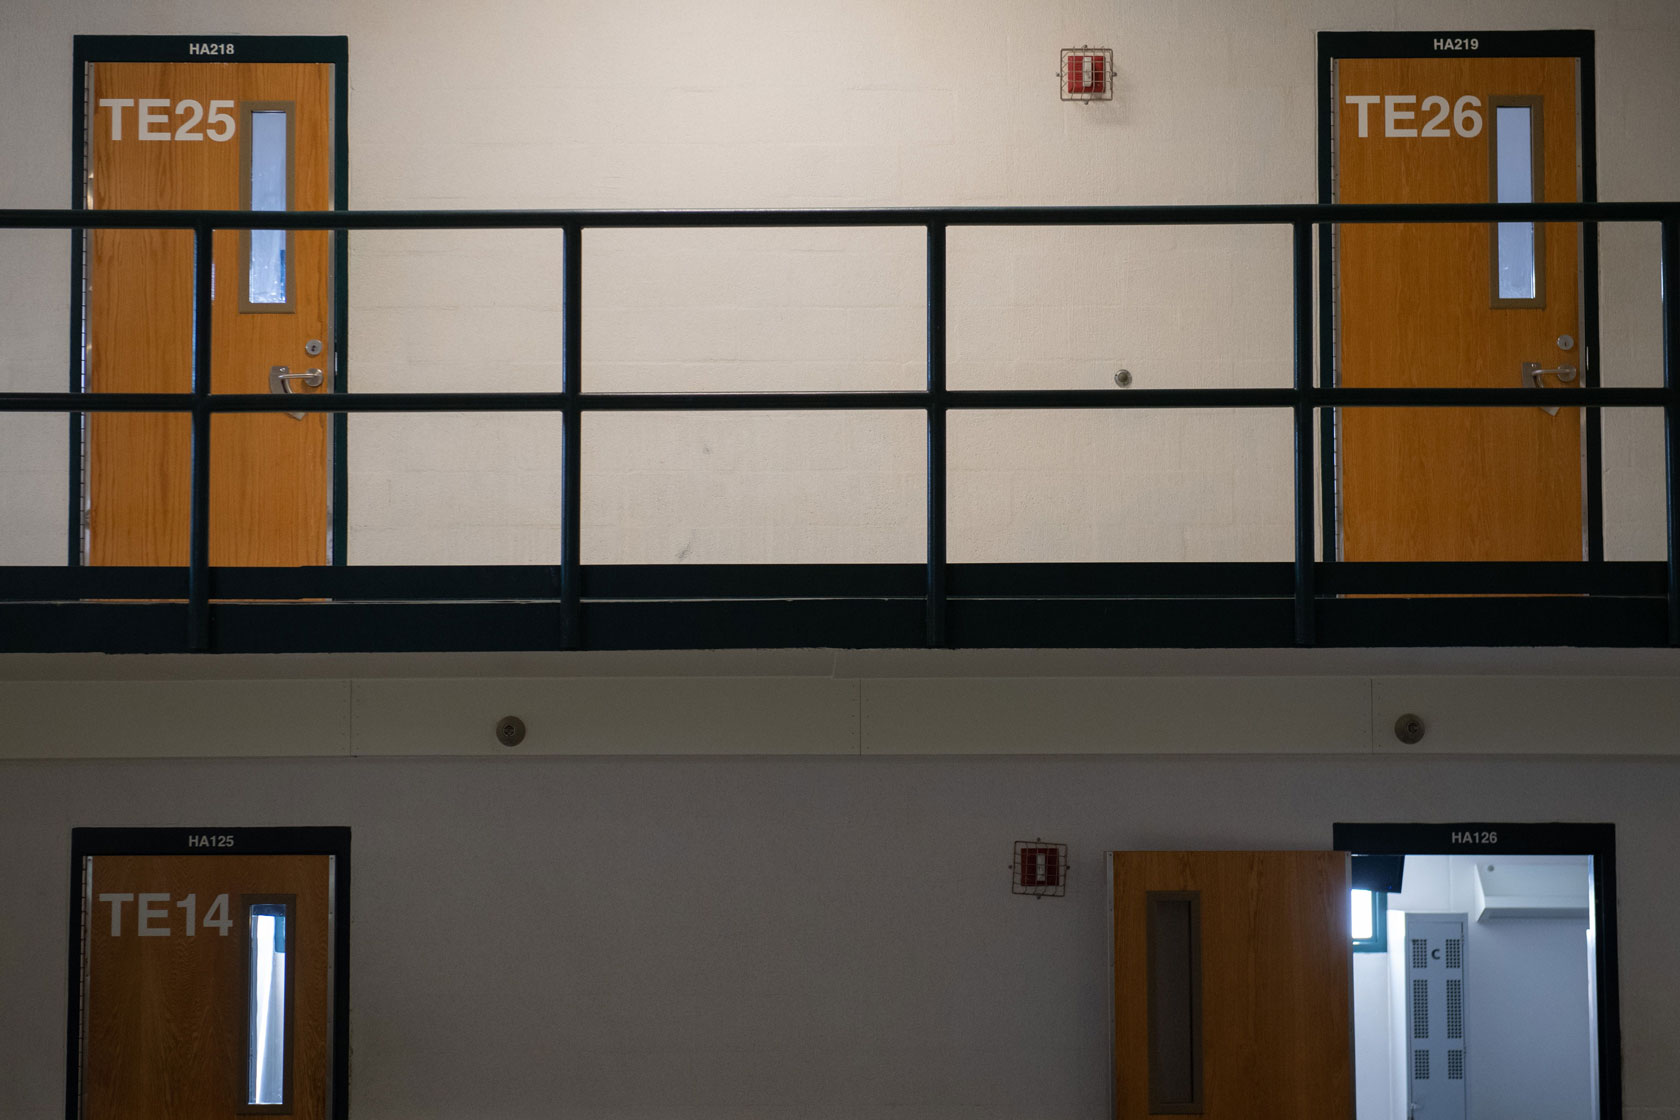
[
  {"x": 571, "y": 468},
  {"x": 1327, "y": 380},
  {"x": 1671, "y": 409},
  {"x": 198, "y": 543},
  {"x": 1591, "y": 378},
  {"x": 1305, "y": 629},
  {"x": 80, "y": 240},
  {"x": 937, "y": 474}
]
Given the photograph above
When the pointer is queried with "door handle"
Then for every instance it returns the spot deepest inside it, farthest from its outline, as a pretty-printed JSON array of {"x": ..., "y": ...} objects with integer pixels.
[
  {"x": 1534, "y": 377},
  {"x": 280, "y": 380}
]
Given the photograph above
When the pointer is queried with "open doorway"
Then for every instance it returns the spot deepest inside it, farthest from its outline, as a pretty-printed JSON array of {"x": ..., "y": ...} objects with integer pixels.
[{"x": 1484, "y": 972}]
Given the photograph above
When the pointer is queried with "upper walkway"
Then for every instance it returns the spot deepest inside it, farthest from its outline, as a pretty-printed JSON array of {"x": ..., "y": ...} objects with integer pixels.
[{"x": 1311, "y": 600}]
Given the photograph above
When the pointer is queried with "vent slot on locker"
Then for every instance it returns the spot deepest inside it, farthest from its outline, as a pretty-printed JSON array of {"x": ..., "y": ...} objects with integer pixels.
[
  {"x": 1420, "y": 953},
  {"x": 1420, "y": 1065},
  {"x": 1455, "y": 952},
  {"x": 1420, "y": 1009},
  {"x": 1455, "y": 1065},
  {"x": 1455, "y": 1009}
]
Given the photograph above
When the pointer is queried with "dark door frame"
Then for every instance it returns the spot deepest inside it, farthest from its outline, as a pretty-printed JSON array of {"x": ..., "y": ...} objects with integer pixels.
[
  {"x": 331, "y": 49},
  {"x": 334, "y": 842},
  {"x": 1529, "y": 839},
  {"x": 1579, "y": 45}
]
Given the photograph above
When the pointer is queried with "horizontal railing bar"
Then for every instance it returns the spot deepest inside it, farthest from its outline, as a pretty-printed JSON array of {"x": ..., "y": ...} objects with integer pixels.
[
  {"x": 1264, "y": 214},
  {"x": 1071, "y": 623},
  {"x": 1606, "y": 397},
  {"x": 689, "y": 582},
  {"x": 1637, "y": 578},
  {"x": 517, "y": 582},
  {"x": 1231, "y": 579},
  {"x": 754, "y": 581},
  {"x": 47, "y": 583},
  {"x": 459, "y": 402}
]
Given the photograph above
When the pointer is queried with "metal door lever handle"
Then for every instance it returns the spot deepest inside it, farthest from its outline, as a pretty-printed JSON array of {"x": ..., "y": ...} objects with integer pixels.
[
  {"x": 1534, "y": 377},
  {"x": 1562, "y": 373},
  {"x": 280, "y": 380}
]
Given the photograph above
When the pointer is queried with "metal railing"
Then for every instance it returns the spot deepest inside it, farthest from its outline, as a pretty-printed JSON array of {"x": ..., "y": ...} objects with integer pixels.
[{"x": 1595, "y": 602}]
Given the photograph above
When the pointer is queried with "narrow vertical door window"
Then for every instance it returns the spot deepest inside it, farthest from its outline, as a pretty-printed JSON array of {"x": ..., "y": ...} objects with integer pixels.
[
  {"x": 267, "y": 186},
  {"x": 267, "y": 1005},
  {"x": 1517, "y": 249}
]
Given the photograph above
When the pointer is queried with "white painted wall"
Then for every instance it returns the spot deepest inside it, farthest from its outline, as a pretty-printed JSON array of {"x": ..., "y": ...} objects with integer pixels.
[
  {"x": 516, "y": 103},
  {"x": 1373, "y": 1041},
  {"x": 815, "y": 702},
  {"x": 768, "y": 937},
  {"x": 1528, "y": 1003}
]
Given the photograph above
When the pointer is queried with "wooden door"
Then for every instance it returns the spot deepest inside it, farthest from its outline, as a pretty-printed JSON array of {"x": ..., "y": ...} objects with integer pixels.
[
  {"x": 180, "y": 950},
  {"x": 1232, "y": 985},
  {"x": 203, "y": 135},
  {"x": 1421, "y": 306}
]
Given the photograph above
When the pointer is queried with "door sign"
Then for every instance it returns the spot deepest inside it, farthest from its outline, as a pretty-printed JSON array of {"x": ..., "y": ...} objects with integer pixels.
[
  {"x": 152, "y": 916},
  {"x": 1404, "y": 115},
  {"x": 152, "y": 116}
]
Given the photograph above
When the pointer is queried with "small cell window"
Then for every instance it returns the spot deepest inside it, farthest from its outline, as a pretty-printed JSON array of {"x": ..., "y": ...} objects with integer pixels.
[
  {"x": 268, "y": 1005},
  {"x": 267, "y": 152},
  {"x": 1518, "y": 247},
  {"x": 1370, "y": 921}
]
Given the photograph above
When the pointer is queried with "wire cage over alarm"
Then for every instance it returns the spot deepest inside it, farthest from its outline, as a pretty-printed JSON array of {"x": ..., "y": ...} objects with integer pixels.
[
  {"x": 1087, "y": 74},
  {"x": 1040, "y": 869}
]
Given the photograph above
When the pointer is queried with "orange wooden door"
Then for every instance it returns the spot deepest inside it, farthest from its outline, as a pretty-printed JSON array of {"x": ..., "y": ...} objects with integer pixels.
[
  {"x": 1232, "y": 985},
  {"x": 186, "y": 136},
  {"x": 176, "y": 958},
  {"x": 1421, "y": 306}
]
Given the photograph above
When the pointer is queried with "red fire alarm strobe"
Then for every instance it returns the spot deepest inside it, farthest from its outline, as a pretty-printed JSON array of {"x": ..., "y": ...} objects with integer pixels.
[
  {"x": 1087, "y": 74},
  {"x": 1040, "y": 869}
]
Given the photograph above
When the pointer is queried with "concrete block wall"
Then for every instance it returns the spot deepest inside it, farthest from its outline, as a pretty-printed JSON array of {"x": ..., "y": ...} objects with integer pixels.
[{"x": 749, "y": 103}]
